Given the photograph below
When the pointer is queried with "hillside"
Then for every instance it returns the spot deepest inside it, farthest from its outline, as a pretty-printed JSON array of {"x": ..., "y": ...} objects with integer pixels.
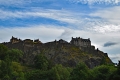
[{"x": 59, "y": 52}]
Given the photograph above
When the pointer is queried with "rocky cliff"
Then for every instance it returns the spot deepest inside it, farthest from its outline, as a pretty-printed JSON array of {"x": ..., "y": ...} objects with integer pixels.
[{"x": 60, "y": 52}]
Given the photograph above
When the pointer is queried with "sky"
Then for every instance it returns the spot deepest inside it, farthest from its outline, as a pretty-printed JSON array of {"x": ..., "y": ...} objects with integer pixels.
[{"x": 48, "y": 20}]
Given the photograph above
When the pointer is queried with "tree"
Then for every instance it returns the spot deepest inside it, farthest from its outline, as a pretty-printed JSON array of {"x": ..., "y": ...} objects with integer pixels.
[
  {"x": 37, "y": 75},
  {"x": 17, "y": 71},
  {"x": 5, "y": 69},
  {"x": 14, "y": 54},
  {"x": 3, "y": 50},
  {"x": 103, "y": 72},
  {"x": 118, "y": 68},
  {"x": 8, "y": 67},
  {"x": 41, "y": 62},
  {"x": 60, "y": 73},
  {"x": 116, "y": 74},
  {"x": 80, "y": 72}
]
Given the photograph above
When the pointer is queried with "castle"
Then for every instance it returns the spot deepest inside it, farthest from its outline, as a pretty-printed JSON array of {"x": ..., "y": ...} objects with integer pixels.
[
  {"x": 16, "y": 40},
  {"x": 81, "y": 42}
]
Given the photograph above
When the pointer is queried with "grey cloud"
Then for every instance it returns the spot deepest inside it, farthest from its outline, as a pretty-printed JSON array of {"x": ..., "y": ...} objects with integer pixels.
[
  {"x": 45, "y": 34},
  {"x": 115, "y": 58},
  {"x": 108, "y": 14},
  {"x": 66, "y": 34},
  {"x": 107, "y": 44}
]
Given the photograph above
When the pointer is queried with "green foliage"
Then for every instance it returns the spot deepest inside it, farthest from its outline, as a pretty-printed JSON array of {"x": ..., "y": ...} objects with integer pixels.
[
  {"x": 14, "y": 54},
  {"x": 3, "y": 50},
  {"x": 115, "y": 75},
  {"x": 60, "y": 73},
  {"x": 10, "y": 70},
  {"x": 118, "y": 68},
  {"x": 37, "y": 75},
  {"x": 80, "y": 72},
  {"x": 41, "y": 62},
  {"x": 103, "y": 72},
  {"x": 6, "y": 77},
  {"x": 5, "y": 69}
]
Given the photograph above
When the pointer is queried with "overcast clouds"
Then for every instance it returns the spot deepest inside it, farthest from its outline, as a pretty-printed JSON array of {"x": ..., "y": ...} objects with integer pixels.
[{"x": 48, "y": 20}]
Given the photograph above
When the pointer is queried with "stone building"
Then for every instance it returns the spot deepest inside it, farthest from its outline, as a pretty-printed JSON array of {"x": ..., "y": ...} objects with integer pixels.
[
  {"x": 81, "y": 42},
  {"x": 37, "y": 41},
  {"x": 28, "y": 41},
  {"x": 14, "y": 40},
  {"x": 62, "y": 41}
]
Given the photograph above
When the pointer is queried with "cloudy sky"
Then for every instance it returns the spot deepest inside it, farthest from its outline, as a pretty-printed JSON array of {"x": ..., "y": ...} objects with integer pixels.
[{"x": 48, "y": 20}]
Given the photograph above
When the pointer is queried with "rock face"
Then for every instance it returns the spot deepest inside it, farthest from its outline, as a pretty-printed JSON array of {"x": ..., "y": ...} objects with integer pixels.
[{"x": 60, "y": 52}]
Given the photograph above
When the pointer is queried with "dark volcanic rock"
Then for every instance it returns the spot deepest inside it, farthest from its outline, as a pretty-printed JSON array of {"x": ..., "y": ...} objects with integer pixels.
[{"x": 60, "y": 53}]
